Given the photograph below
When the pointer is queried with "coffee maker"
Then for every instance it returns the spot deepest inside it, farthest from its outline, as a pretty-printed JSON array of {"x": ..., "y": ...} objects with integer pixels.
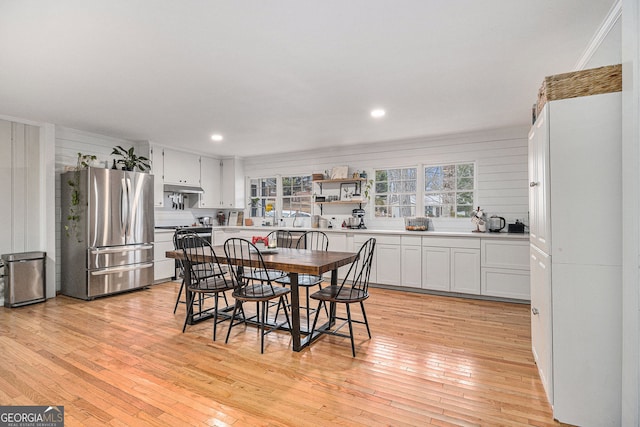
[{"x": 357, "y": 220}]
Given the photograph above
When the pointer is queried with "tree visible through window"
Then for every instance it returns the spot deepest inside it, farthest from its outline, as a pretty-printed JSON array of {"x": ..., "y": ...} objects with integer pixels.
[
  {"x": 296, "y": 195},
  {"x": 395, "y": 192},
  {"x": 449, "y": 190}
]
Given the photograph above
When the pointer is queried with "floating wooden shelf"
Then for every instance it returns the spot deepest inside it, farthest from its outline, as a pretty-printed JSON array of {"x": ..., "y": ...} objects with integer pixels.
[
  {"x": 327, "y": 181},
  {"x": 342, "y": 202}
]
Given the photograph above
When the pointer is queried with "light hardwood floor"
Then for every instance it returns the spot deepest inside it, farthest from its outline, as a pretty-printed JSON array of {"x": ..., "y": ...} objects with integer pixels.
[{"x": 123, "y": 361}]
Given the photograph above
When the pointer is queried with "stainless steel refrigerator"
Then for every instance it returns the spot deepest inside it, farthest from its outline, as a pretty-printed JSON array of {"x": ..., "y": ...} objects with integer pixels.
[{"x": 107, "y": 232}]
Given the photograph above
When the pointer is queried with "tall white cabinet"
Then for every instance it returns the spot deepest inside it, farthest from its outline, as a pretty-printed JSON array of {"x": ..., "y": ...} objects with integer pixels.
[{"x": 575, "y": 208}]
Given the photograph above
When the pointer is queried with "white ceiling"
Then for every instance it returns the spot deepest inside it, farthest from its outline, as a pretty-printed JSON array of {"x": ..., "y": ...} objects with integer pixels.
[{"x": 284, "y": 75}]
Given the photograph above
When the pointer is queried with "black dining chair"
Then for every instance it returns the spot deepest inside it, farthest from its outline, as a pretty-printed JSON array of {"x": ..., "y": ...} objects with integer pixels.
[
  {"x": 317, "y": 241},
  {"x": 284, "y": 240},
  {"x": 354, "y": 289},
  {"x": 178, "y": 244},
  {"x": 207, "y": 278},
  {"x": 250, "y": 285}
]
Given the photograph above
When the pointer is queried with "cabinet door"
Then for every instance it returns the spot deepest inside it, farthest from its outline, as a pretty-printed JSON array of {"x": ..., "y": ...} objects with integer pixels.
[
  {"x": 210, "y": 183},
  {"x": 465, "y": 270},
  {"x": 232, "y": 184},
  {"x": 388, "y": 265},
  {"x": 163, "y": 268},
  {"x": 181, "y": 168},
  {"x": 157, "y": 169},
  {"x": 539, "y": 225},
  {"x": 411, "y": 266},
  {"x": 541, "y": 318},
  {"x": 436, "y": 268}
]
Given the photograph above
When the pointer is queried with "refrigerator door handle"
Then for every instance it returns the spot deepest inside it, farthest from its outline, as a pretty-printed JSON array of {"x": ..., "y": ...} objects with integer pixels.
[
  {"x": 113, "y": 270},
  {"x": 117, "y": 249},
  {"x": 124, "y": 206}
]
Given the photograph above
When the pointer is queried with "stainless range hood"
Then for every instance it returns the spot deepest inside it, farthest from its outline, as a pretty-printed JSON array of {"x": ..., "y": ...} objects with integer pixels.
[{"x": 186, "y": 189}]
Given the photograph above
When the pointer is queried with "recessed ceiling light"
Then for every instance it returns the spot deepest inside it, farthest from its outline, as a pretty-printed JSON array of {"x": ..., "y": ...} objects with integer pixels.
[
  {"x": 216, "y": 137},
  {"x": 377, "y": 113}
]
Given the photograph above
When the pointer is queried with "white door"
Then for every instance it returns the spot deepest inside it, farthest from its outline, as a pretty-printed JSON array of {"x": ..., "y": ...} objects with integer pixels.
[
  {"x": 210, "y": 182},
  {"x": 411, "y": 266},
  {"x": 465, "y": 270},
  {"x": 541, "y": 318},
  {"x": 539, "y": 227},
  {"x": 436, "y": 268},
  {"x": 388, "y": 265}
]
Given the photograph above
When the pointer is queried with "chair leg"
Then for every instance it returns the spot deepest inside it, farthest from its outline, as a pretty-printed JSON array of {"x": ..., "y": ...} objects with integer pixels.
[
  {"x": 175, "y": 307},
  {"x": 353, "y": 346},
  {"x": 364, "y": 315},
  {"x": 326, "y": 310},
  {"x": 215, "y": 315},
  {"x": 233, "y": 317},
  {"x": 189, "y": 311},
  {"x": 315, "y": 319},
  {"x": 263, "y": 321},
  {"x": 308, "y": 311},
  {"x": 286, "y": 314}
]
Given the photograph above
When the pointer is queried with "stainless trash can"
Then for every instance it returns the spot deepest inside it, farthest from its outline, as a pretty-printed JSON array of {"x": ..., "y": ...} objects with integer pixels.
[{"x": 25, "y": 278}]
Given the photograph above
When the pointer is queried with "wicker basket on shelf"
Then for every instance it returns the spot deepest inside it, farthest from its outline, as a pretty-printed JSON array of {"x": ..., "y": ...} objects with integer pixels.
[{"x": 593, "y": 81}]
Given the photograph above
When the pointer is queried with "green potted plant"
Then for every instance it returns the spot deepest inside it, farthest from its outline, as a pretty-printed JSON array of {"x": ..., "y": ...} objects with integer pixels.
[
  {"x": 367, "y": 189},
  {"x": 129, "y": 160},
  {"x": 73, "y": 216}
]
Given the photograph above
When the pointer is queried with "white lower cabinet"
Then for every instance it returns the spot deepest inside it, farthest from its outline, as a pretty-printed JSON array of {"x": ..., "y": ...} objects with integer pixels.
[
  {"x": 505, "y": 268},
  {"x": 358, "y": 241},
  {"x": 411, "y": 261},
  {"x": 163, "y": 268},
  {"x": 436, "y": 268},
  {"x": 465, "y": 270},
  {"x": 451, "y": 264}
]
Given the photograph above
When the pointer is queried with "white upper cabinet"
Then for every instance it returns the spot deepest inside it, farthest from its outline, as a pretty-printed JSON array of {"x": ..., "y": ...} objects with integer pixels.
[
  {"x": 157, "y": 169},
  {"x": 210, "y": 180},
  {"x": 232, "y": 183},
  {"x": 181, "y": 168},
  {"x": 539, "y": 227}
]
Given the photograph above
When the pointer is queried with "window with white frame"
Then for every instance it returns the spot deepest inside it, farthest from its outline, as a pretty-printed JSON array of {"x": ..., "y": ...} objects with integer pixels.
[
  {"x": 395, "y": 192},
  {"x": 449, "y": 190},
  {"x": 296, "y": 196},
  {"x": 263, "y": 193}
]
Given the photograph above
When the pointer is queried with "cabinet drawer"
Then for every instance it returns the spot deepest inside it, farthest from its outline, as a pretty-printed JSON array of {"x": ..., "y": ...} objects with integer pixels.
[
  {"x": 359, "y": 239},
  {"x": 500, "y": 282},
  {"x": 451, "y": 242},
  {"x": 163, "y": 236},
  {"x": 505, "y": 254},
  {"x": 411, "y": 240}
]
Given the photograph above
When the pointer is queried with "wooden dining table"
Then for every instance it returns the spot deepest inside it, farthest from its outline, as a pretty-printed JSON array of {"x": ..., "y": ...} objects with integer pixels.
[{"x": 294, "y": 262}]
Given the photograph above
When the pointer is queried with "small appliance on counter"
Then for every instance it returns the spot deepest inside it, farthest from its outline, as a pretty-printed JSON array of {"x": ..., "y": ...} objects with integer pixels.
[
  {"x": 518, "y": 227},
  {"x": 496, "y": 223},
  {"x": 205, "y": 221},
  {"x": 357, "y": 219}
]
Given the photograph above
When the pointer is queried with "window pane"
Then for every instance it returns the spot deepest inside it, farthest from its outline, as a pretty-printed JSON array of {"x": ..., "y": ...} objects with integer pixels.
[
  {"x": 465, "y": 183},
  {"x": 395, "y": 192},
  {"x": 443, "y": 184}
]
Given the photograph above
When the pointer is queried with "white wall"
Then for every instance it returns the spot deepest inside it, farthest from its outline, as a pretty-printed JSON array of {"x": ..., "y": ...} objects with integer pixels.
[
  {"x": 500, "y": 156},
  {"x": 20, "y": 177}
]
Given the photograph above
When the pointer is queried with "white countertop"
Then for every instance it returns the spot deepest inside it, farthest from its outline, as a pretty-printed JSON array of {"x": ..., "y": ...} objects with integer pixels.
[{"x": 487, "y": 235}]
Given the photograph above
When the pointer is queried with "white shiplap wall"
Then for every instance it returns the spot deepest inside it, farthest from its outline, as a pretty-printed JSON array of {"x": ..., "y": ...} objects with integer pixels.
[
  {"x": 70, "y": 142},
  {"x": 500, "y": 156}
]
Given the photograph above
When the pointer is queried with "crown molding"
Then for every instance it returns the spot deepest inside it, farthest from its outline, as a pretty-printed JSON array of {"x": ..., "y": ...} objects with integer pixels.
[{"x": 609, "y": 22}]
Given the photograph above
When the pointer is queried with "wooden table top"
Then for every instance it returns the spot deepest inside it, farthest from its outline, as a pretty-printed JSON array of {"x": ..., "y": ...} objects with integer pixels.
[{"x": 290, "y": 260}]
